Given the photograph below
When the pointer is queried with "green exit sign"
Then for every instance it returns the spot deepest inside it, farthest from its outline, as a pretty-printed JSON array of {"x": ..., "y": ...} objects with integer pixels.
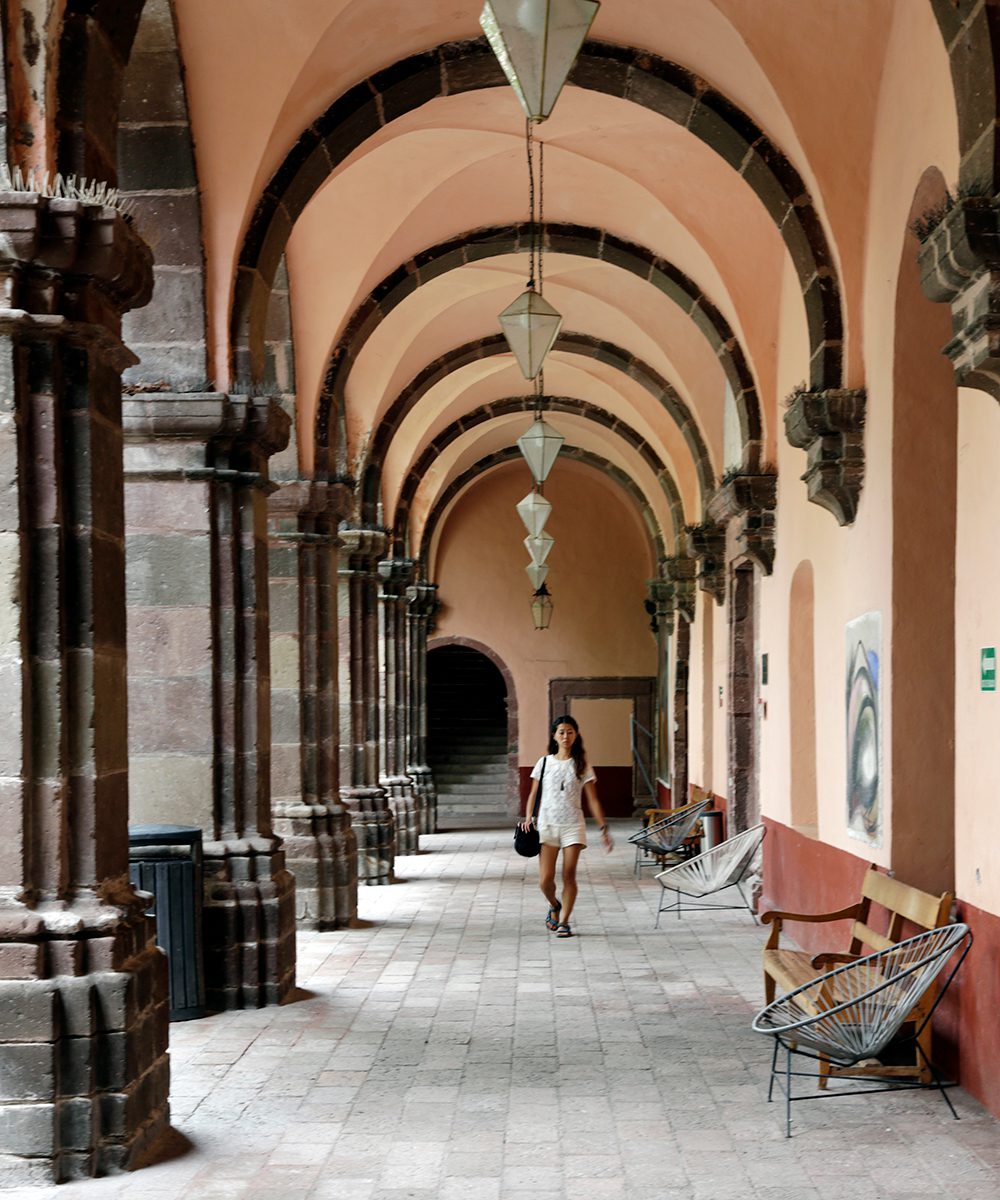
[{"x": 988, "y": 669}]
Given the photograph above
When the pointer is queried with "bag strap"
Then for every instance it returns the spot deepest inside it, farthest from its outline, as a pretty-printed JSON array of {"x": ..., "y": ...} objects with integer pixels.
[{"x": 538, "y": 794}]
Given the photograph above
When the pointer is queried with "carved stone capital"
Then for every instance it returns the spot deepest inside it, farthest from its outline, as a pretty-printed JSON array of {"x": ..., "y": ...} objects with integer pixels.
[
  {"x": 830, "y": 426},
  {"x": 422, "y": 599},
  {"x": 45, "y": 237},
  {"x": 745, "y": 504},
  {"x": 316, "y": 506},
  {"x": 361, "y": 548},
  {"x": 960, "y": 266},
  {"x": 396, "y": 575},
  {"x": 708, "y": 544},
  {"x": 682, "y": 572}
]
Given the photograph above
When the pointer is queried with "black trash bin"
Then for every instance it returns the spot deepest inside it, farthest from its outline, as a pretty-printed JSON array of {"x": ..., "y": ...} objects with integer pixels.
[{"x": 166, "y": 860}]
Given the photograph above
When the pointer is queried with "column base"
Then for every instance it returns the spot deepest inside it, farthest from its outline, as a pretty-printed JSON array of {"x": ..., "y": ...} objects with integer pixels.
[
  {"x": 84, "y": 1072},
  {"x": 375, "y": 828},
  {"x": 249, "y": 924},
  {"x": 403, "y": 802},
  {"x": 425, "y": 793},
  {"x": 321, "y": 851}
]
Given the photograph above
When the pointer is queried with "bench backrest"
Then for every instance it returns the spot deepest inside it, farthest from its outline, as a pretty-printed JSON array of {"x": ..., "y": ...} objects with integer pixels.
[{"x": 905, "y": 904}]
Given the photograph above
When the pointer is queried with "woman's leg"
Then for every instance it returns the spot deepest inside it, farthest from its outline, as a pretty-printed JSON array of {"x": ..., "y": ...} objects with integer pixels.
[
  {"x": 547, "y": 873},
  {"x": 571, "y": 856}
]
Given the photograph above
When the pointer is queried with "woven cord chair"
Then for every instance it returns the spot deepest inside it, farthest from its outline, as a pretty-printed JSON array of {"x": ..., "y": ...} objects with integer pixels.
[
  {"x": 851, "y": 1014},
  {"x": 657, "y": 842},
  {"x": 724, "y": 866}
]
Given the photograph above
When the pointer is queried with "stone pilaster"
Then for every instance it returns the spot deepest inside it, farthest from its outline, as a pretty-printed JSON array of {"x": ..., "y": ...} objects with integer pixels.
[
  {"x": 830, "y": 427},
  {"x": 422, "y": 602},
  {"x": 196, "y": 468},
  {"x": 746, "y": 504},
  {"x": 320, "y": 844},
  {"x": 682, "y": 572},
  {"x": 660, "y": 606},
  {"x": 395, "y": 575},
  {"x": 83, "y": 1035},
  {"x": 960, "y": 266},
  {"x": 357, "y": 619}
]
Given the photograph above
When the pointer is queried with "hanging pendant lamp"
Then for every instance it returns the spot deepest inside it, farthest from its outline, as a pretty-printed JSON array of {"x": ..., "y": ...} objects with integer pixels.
[
  {"x": 531, "y": 325},
  {"x": 539, "y": 546},
  {"x": 540, "y": 446},
  {"x": 534, "y": 511},
  {"x": 537, "y": 573},
  {"x": 541, "y": 607},
  {"x": 536, "y": 43}
]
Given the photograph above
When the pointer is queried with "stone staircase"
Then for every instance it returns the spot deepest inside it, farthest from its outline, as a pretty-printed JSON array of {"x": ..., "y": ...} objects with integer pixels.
[{"x": 467, "y": 739}]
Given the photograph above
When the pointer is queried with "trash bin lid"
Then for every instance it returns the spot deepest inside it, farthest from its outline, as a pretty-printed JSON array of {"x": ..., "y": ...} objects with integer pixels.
[{"x": 164, "y": 835}]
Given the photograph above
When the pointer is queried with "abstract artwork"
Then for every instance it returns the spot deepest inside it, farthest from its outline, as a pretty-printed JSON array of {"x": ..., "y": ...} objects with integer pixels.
[{"x": 864, "y": 728}]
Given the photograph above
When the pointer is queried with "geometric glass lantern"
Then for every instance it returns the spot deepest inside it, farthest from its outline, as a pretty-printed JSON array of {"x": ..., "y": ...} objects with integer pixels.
[
  {"x": 540, "y": 446},
  {"x": 530, "y": 324},
  {"x": 541, "y": 607},
  {"x": 536, "y": 42},
  {"x": 538, "y": 546},
  {"x": 537, "y": 575},
  {"x": 534, "y": 511}
]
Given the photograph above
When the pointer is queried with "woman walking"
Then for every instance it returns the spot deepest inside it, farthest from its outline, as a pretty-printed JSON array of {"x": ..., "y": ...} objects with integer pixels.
[{"x": 566, "y": 780}]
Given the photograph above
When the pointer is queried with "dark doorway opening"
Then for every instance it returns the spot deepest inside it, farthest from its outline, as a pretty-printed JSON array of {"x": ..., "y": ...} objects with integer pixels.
[{"x": 467, "y": 736}]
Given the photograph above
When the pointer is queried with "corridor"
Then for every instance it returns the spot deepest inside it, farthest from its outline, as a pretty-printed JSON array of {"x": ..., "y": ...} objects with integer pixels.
[{"x": 451, "y": 1048}]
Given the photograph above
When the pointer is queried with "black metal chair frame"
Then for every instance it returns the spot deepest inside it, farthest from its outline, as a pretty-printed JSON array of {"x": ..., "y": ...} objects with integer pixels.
[
  {"x": 788, "y": 1044},
  {"x": 682, "y": 822},
  {"x": 742, "y": 865}
]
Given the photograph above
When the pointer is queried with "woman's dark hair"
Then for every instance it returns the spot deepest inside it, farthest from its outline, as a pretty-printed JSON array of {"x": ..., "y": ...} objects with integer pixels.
[{"x": 579, "y": 755}]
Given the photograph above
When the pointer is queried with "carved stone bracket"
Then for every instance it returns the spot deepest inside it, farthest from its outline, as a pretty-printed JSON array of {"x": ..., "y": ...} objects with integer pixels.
[
  {"x": 829, "y": 426},
  {"x": 682, "y": 572},
  {"x": 396, "y": 575},
  {"x": 746, "y": 504},
  {"x": 708, "y": 543},
  {"x": 660, "y": 606},
  {"x": 960, "y": 266}
]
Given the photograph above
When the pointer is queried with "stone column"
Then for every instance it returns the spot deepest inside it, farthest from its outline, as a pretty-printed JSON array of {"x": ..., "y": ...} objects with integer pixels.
[
  {"x": 357, "y": 620},
  {"x": 83, "y": 1033},
  {"x": 320, "y": 845},
  {"x": 196, "y": 468},
  {"x": 395, "y": 575},
  {"x": 422, "y": 602}
]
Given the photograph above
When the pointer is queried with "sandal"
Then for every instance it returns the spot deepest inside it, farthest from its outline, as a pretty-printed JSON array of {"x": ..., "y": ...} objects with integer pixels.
[
  {"x": 563, "y": 930},
  {"x": 552, "y": 920}
]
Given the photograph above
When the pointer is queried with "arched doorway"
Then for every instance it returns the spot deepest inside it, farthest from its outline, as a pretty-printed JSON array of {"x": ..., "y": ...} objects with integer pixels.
[{"x": 470, "y": 708}]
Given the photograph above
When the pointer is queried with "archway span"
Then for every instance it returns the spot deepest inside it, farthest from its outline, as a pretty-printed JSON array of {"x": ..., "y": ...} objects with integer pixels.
[
  {"x": 570, "y": 343},
  {"x": 496, "y": 241},
  {"x": 516, "y": 404},
  {"x": 656, "y": 543},
  {"x": 626, "y": 72}
]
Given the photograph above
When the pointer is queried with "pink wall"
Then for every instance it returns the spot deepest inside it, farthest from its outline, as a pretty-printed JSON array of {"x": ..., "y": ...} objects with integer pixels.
[{"x": 600, "y": 565}]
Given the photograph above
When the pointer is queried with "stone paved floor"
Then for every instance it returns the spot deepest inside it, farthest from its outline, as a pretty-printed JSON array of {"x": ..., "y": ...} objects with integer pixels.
[{"x": 454, "y": 1049}]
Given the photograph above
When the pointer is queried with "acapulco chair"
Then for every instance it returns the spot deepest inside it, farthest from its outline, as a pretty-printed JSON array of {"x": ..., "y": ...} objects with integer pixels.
[
  {"x": 724, "y": 866},
  {"x": 850, "y": 1015},
  {"x": 667, "y": 836}
]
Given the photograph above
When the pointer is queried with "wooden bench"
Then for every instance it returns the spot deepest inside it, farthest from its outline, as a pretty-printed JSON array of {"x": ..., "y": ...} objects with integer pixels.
[{"x": 788, "y": 969}]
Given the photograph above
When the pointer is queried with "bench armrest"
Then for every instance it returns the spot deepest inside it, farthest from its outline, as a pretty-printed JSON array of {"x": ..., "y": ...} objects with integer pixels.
[
  {"x": 824, "y": 961},
  {"x": 776, "y": 918}
]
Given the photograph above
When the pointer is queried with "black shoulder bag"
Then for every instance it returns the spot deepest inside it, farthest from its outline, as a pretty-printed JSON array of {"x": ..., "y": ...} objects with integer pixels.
[{"x": 526, "y": 841}]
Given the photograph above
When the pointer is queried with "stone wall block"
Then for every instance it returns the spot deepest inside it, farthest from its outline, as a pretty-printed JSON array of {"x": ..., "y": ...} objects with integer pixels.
[
  {"x": 27, "y": 1071},
  {"x": 30, "y": 1131}
]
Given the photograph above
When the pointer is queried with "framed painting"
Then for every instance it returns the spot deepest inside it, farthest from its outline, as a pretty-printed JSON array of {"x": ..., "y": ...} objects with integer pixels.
[{"x": 864, "y": 728}]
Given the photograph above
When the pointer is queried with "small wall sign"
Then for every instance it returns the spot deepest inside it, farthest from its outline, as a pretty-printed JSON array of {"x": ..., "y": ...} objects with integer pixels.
[{"x": 988, "y": 669}]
